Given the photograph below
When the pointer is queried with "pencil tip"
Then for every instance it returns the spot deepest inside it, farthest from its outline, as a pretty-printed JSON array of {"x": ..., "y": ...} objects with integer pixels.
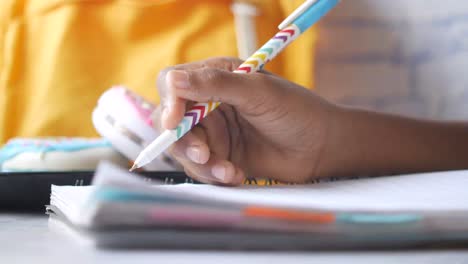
[{"x": 134, "y": 167}]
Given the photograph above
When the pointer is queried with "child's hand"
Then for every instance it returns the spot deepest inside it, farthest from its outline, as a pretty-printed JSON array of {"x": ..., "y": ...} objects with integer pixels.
[{"x": 266, "y": 126}]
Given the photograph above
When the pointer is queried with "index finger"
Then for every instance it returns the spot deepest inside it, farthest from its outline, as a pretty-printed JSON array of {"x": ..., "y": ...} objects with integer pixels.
[
  {"x": 173, "y": 108},
  {"x": 224, "y": 63}
]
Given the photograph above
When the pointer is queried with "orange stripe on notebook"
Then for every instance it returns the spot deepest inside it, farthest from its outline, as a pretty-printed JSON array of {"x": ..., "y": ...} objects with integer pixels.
[{"x": 290, "y": 215}]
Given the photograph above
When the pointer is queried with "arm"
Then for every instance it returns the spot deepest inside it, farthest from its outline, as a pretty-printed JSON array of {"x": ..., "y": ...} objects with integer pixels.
[
  {"x": 269, "y": 127},
  {"x": 370, "y": 143}
]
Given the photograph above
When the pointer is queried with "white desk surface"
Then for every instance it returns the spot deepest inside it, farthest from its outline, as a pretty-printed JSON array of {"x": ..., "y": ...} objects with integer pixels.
[{"x": 27, "y": 239}]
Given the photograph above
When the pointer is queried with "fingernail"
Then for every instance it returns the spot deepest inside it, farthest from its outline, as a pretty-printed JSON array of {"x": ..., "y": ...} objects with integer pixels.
[
  {"x": 219, "y": 172},
  {"x": 179, "y": 79},
  {"x": 193, "y": 153}
]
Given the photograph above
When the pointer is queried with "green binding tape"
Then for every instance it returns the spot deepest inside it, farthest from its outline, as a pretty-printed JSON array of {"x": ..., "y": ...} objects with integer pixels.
[{"x": 372, "y": 218}]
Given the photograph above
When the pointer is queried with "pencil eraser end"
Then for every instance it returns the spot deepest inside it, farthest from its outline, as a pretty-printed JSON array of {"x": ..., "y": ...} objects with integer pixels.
[{"x": 314, "y": 14}]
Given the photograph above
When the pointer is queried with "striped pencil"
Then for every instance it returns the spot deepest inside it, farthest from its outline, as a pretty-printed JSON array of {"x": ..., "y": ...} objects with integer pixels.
[{"x": 256, "y": 62}]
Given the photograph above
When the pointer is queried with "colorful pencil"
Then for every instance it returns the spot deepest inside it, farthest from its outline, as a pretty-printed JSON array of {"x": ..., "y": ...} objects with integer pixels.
[{"x": 266, "y": 53}]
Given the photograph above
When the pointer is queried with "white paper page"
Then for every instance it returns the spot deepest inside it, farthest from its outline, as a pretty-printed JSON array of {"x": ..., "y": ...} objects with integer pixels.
[
  {"x": 70, "y": 200},
  {"x": 426, "y": 192}
]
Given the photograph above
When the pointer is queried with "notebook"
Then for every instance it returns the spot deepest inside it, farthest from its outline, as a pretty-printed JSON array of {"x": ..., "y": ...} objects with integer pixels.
[
  {"x": 122, "y": 210},
  {"x": 30, "y": 191}
]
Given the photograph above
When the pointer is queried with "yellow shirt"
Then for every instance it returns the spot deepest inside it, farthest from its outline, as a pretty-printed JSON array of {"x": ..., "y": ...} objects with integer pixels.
[{"x": 58, "y": 56}]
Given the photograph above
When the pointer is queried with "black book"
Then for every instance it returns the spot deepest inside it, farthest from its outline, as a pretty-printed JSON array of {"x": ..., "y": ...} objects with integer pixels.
[{"x": 30, "y": 191}]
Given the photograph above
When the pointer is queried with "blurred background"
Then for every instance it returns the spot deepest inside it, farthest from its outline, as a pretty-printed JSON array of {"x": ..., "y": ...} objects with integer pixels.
[
  {"x": 58, "y": 56},
  {"x": 400, "y": 56}
]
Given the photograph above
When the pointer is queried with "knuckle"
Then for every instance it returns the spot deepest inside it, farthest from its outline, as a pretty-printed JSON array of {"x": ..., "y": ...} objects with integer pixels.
[
  {"x": 231, "y": 62},
  {"x": 235, "y": 63},
  {"x": 212, "y": 76},
  {"x": 206, "y": 83},
  {"x": 195, "y": 86},
  {"x": 161, "y": 79},
  {"x": 224, "y": 62}
]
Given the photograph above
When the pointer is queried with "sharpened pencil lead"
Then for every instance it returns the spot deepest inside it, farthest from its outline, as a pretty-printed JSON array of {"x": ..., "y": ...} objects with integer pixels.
[{"x": 134, "y": 167}]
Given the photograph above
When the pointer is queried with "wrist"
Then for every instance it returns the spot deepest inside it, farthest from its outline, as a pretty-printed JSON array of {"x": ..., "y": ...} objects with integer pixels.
[{"x": 335, "y": 157}]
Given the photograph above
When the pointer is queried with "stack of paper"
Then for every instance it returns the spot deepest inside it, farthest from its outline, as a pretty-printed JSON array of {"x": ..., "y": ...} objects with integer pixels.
[{"x": 122, "y": 210}]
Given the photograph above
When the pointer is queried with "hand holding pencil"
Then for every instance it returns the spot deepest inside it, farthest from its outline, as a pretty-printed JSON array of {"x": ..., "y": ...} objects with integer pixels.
[
  {"x": 266, "y": 126},
  {"x": 300, "y": 20}
]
